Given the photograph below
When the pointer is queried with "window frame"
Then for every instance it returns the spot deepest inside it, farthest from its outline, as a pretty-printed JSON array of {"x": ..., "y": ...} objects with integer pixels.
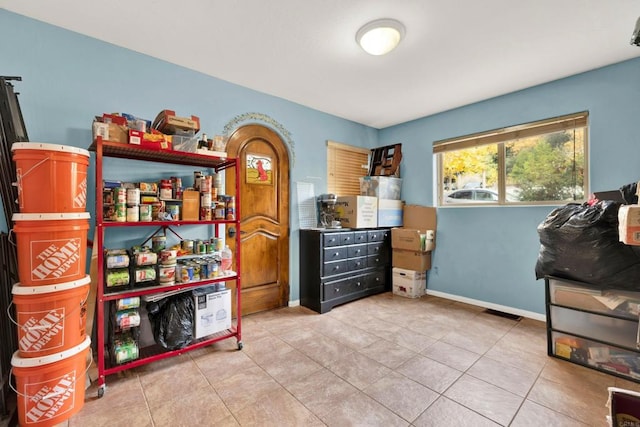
[{"x": 500, "y": 137}]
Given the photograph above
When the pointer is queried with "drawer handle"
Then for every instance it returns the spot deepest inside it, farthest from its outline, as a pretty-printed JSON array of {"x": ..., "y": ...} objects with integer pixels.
[
  {"x": 336, "y": 254},
  {"x": 337, "y": 290},
  {"x": 337, "y": 267},
  {"x": 358, "y": 284}
]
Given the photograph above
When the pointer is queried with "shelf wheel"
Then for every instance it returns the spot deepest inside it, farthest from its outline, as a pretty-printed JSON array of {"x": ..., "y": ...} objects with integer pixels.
[
  {"x": 240, "y": 345},
  {"x": 101, "y": 391}
]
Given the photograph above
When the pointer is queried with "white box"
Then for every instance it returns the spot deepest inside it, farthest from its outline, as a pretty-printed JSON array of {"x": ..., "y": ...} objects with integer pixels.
[
  {"x": 390, "y": 213},
  {"x": 409, "y": 283},
  {"x": 383, "y": 187},
  {"x": 212, "y": 311},
  {"x": 357, "y": 211}
]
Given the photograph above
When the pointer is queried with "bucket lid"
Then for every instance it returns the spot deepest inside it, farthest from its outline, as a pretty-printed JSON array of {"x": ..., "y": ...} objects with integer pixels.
[
  {"x": 31, "y": 362},
  {"x": 49, "y": 147},
  {"x": 50, "y": 216},
  {"x": 18, "y": 289}
]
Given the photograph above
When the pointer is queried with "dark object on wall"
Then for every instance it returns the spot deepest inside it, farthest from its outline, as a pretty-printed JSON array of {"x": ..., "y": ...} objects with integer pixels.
[
  {"x": 580, "y": 242},
  {"x": 173, "y": 321},
  {"x": 635, "y": 37}
]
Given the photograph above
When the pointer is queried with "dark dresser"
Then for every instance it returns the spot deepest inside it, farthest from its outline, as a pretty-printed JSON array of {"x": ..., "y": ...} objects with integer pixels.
[{"x": 342, "y": 265}]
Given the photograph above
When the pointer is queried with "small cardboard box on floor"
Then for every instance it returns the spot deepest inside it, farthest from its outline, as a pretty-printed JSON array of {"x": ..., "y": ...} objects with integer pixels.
[{"x": 412, "y": 244}]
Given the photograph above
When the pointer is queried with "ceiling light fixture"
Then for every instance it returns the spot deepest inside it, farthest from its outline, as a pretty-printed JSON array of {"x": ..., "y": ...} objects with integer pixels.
[{"x": 381, "y": 36}]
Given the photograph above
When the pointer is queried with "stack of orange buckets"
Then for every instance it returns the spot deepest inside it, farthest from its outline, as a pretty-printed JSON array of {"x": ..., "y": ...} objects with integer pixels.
[{"x": 50, "y": 299}]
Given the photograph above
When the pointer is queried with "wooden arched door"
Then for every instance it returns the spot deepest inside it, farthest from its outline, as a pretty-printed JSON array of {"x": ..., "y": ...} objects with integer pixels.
[{"x": 264, "y": 216}]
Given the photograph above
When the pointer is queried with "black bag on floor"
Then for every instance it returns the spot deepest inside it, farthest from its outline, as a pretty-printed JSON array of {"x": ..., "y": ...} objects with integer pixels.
[
  {"x": 580, "y": 242},
  {"x": 172, "y": 322}
]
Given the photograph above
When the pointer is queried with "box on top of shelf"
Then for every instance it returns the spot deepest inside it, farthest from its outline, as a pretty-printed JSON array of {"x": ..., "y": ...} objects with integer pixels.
[
  {"x": 390, "y": 213},
  {"x": 357, "y": 211},
  {"x": 409, "y": 283},
  {"x": 167, "y": 122},
  {"x": 383, "y": 187}
]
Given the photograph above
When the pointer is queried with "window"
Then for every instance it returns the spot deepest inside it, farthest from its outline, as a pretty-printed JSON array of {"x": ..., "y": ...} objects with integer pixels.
[
  {"x": 345, "y": 165},
  {"x": 534, "y": 163}
]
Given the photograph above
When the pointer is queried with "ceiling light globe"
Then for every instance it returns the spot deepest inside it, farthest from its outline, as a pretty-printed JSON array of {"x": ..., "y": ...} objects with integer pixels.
[{"x": 381, "y": 36}]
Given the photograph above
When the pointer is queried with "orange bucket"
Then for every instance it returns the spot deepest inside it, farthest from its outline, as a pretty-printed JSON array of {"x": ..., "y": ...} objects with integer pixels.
[
  {"x": 50, "y": 389},
  {"x": 52, "y": 248},
  {"x": 50, "y": 318},
  {"x": 50, "y": 177}
]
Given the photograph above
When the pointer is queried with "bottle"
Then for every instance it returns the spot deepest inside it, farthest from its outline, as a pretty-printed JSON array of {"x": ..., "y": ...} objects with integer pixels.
[
  {"x": 203, "y": 142},
  {"x": 226, "y": 260}
]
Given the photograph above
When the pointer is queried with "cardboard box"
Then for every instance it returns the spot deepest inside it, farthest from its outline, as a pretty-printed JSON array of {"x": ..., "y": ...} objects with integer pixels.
[
  {"x": 357, "y": 211},
  {"x": 390, "y": 213},
  {"x": 411, "y": 239},
  {"x": 212, "y": 311},
  {"x": 411, "y": 260},
  {"x": 409, "y": 283},
  {"x": 629, "y": 224},
  {"x": 111, "y": 132},
  {"x": 383, "y": 187},
  {"x": 420, "y": 217},
  {"x": 167, "y": 122},
  {"x": 190, "y": 205}
]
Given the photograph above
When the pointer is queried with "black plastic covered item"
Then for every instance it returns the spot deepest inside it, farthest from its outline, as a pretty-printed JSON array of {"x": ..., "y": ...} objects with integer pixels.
[
  {"x": 629, "y": 193},
  {"x": 172, "y": 322},
  {"x": 580, "y": 242}
]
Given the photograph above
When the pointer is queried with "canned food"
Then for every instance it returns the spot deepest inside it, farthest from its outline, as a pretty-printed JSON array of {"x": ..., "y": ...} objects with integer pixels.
[
  {"x": 168, "y": 256},
  {"x": 146, "y": 274},
  {"x": 173, "y": 210},
  {"x": 120, "y": 212},
  {"x": 187, "y": 246},
  {"x": 133, "y": 213},
  {"x": 167, "y": 273},
  {"x": 146, "y": 213},
  {"x": 127, "y": 303},
  {"x": 133, "y": 196},
  {"x": 120, "y": 195},
  {"x": 119, "y": 277},
  {"x": 146, "y": 258},
  {"x": 125, "y": 350},
  {"x": 127, "y": 319},
  {"x": 158, "y": 243},
  {"x": 117, "y": 261}
]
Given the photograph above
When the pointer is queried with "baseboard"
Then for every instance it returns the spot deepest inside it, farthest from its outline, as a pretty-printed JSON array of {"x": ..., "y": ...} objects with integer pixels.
[
  {"x": 294, "y": 303},
  {"x": 484, "y": 304}
]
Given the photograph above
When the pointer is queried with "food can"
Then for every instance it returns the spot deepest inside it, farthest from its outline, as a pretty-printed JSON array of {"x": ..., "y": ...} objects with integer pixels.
[
  {"x": 118, "y": 277},
  {"x": 168, "y": 256},
  {"x": 174, "y": 210},
  {"x": 187, "y": 246},
  {"x": 127, "y": 319},
  {"x": 156, "y": 208},
  {"x": 125, "y": 350},
  {"x": 133, "y": 213},
  {"x": 133, "y": 196},
  {"x": 231, "y": 208},
  {"x": 120, "y": 195},
  {"x": 120, "y": 212},
  {"x": 205, "y": 184},
  {"x": 205, "y": 200},
  {"x": 127, "y": 303},
  {"x": 117, "y": 261},
  {"x": 158, "y": 243},
  {"x": 220, "y": 210},
  {"x": 167, "y": 273},
  {"x": 197, "y": 177},
  {"x": 146, "y": 258},
  {"x": 145, "y": 274},
  {"x": 205, "y": 214},
  {"x": 186, "y": 273},
  {"x": 146, "y": 213}
]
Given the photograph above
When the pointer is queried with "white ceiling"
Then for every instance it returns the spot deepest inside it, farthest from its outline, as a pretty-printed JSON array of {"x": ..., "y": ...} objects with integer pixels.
[{"x": 455, "y": 52}]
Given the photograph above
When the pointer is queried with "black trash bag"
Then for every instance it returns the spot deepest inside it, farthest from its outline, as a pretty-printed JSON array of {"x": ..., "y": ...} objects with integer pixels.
[
  {"x": 629, "y": 193},
  {"x": 580, "y": 242},
  {"x": 172, "y": 321}
]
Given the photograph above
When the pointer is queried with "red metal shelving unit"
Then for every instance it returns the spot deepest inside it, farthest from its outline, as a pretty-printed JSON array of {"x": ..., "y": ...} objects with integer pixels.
[{"x": 153, "y": 353}]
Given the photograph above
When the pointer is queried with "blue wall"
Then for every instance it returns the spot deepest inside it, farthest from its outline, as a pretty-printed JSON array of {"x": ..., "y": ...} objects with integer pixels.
[
  {"x": 489, "y": 253},
  {"x": 69, "y": 78}
]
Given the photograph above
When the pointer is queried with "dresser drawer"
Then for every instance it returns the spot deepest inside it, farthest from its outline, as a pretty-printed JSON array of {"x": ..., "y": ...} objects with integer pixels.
[
  {"x": 357, "y": 263},
  {"x": 360, "y": 236},
  {"x": 354, "y": 251},
  {"x": 336, "y": 289},
  {"x": 376, "y": 235},
  {"x": 376, "y": 279},
  {"x": 331, "y": 239},
  {"x": 376, "y": 260},
  {"x": 334, "y": 267},
  {"x": 334, "y": 253},
  {"x": 375, "y": 248},
  {"x": 346, "y": 238}
]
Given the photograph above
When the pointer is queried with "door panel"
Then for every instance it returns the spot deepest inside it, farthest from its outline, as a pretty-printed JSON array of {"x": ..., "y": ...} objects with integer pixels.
[{"x": 264, "y": 216}]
